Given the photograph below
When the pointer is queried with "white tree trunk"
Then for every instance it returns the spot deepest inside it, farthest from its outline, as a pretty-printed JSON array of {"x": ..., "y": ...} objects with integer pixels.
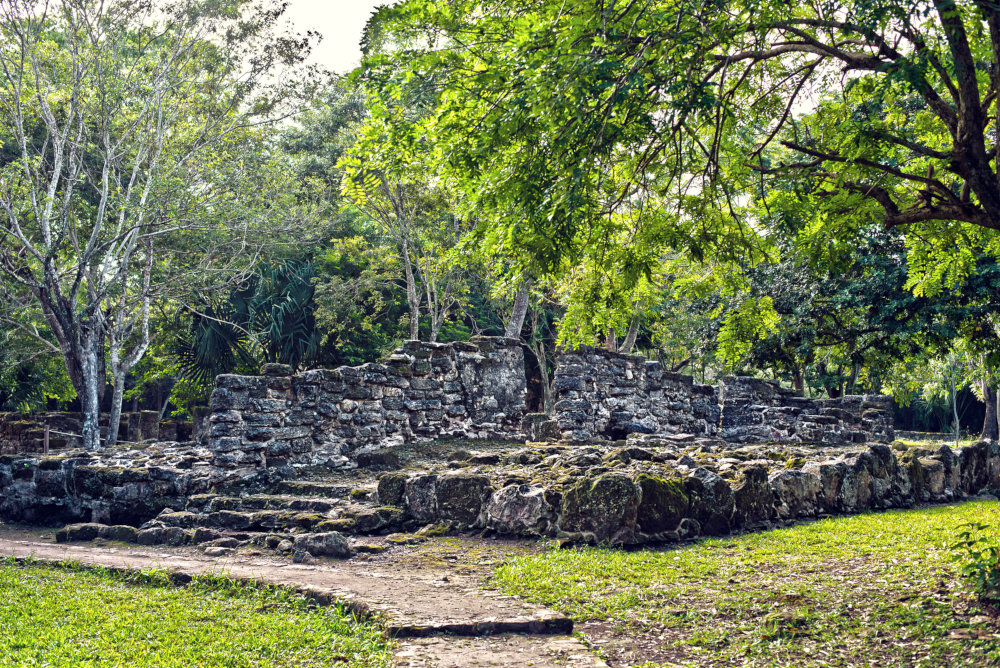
[
  {"x": 89, "y": 395},
  {"x": 631, "y": 335},
  {"x": 412, "y": 294},
  {"x": 115, "y": 416},
  {"x": 520, "y": 310}
]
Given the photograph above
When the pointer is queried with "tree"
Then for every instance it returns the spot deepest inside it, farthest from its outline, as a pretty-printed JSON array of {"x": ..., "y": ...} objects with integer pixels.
[
  {"x": 124, "y": 117},
  {"x": 552, "y": 116},
  {"x": 388, "y": 179}
]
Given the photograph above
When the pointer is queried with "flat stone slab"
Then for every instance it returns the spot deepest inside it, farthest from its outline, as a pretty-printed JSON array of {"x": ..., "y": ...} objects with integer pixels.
[
  {"x": 417, "y": 603},
  {"x": 503, "y": 651}
]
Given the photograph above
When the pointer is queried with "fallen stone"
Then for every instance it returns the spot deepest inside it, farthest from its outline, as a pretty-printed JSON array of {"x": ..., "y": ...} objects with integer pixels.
[
  {"x": 218, "y": 551},
  {"x": 79, "y": 532},
  {"x": 522, "y": 510},
  {"x": 331, "y": 544}
]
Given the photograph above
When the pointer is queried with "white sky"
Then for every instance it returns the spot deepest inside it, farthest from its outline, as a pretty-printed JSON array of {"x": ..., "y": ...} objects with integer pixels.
[{"x": 341, "y": 23}]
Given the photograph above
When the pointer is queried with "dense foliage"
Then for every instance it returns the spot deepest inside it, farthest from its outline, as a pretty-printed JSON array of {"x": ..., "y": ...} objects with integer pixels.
[{"x": 802, "y": 192}]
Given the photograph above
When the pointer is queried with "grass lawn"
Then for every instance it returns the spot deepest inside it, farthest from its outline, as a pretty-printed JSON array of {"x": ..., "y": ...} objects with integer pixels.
[
  {"x": 52, "y": 616},
  {"x": 868, "y": 590}
]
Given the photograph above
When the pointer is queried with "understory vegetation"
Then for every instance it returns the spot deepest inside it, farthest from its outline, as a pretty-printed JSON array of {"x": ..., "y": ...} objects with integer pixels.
[
  {"x": 69, "y": 616},
  {"x": 803, "y": 213},
  {"x": 873, "y": 589}
]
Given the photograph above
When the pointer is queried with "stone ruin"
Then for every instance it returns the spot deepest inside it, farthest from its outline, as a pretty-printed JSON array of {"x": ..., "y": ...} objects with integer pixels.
[
  {"x": 604, "y": 395},
  {"x": 425, "y": 391},
  {"x": 439, "y": 439},
  {"x": 22, "y": 433}
]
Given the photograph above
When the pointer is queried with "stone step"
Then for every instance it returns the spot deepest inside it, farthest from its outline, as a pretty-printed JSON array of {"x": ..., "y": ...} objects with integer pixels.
[
  {"x": 331, "y": 490},
  {"x": 351, "y": 519},
  {"x": 216, "y": 541},
  {"x": 249, "y": 520},
  {"x": 210, "y": 503}
]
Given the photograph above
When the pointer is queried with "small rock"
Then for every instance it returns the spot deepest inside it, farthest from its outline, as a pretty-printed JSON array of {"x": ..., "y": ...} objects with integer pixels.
[
  {"x": 79, "y": 532},
  {"x": 218, "y": 551},
  {"x": 331, "y": 544}
]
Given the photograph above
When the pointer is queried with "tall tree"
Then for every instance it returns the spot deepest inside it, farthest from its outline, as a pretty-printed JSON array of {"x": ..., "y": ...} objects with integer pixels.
[
  {"x": 124, "y": 114},
  {"x": 554, "y": 115}
]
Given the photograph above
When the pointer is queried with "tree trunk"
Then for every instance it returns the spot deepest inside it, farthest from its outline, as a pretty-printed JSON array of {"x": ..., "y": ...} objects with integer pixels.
[
  {"x": 954, "y": 406},
  {"x": 92, "y": 377},
  {"x": 799, "y": 382},
  {"x": 631, "y": 335},
  {"x": 990, "y": 430},
  {"x": 611, "y": 343},
  {"x": 520, "y": 310},
  {"x": 412, "y": 294},
  {"x": 853, "y": 382},
  {"x": 538, "y": 348},
  {"x": 115, "y": 416}
]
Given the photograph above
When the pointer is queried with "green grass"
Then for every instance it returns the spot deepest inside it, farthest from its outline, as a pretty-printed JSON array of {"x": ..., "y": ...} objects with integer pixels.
[
  {"x": 873, "y": 589},
  {"x": 65, "y": 616}
]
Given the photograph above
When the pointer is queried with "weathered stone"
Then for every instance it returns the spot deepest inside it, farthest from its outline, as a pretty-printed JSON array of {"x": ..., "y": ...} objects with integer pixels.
[
  {"x": 797, "y": 494},
  {"x": 522, "y": 510},
  {"x": 203, "y": 535},
  {"x": 331, "y": 544},
  {"x": 664, "y": 504},
  {"x": 380, "y": 460},
  {"x": 753, "y": 498},
  {"x": 420, "y": 497},
  {"x": 831, "y": 477},
  {"x": 712, "y": 502},
  {"x": 78, "y": 532},
  {"x": 460, "y": 497},
  {"x": 121, "y": 533},
  {"x": 391, "y": 488},
  {"x": 627, "y": 454},
  {"x": 375, "y": 520},
  {"x": 173, "y": 536},
  {"x": 933, "y": 479},
  {"x": 603, "y": 508},
  {"x": 218, "y": 551},
  {"x": 974, "y": 467},
  {"x": 856, "y": 486}
]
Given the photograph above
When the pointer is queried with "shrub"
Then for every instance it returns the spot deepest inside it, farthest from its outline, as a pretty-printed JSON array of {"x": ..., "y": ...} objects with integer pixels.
[{"x": 978, "y": 557}]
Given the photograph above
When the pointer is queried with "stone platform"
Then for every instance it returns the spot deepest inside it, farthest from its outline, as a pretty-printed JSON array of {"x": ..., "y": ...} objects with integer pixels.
[{"x": 641, "y": 491}]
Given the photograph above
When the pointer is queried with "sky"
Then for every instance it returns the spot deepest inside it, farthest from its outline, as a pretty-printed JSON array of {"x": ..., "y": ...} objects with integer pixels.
[{"x": 340, "y": 22}]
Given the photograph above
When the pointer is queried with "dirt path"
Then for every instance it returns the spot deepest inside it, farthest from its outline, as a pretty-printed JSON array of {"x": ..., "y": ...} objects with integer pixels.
[{"x": 419, "y": 595}]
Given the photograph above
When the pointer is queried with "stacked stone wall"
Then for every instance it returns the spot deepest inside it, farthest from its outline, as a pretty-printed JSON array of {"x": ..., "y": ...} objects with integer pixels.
[
  {"x": 24, "y": 433},
  {"x": 605, "y": 395},
  {"x": 633, "y": 495},
  {"x": 124, "y": 487},
  {"x": 324, "y": 417},
  {"x": 755, "y": 410}
]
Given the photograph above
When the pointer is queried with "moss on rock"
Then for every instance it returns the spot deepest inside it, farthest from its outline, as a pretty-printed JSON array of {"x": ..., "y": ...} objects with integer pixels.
[
  {"x": 605, "y": 507},
  {"x": 664, "y": 503}
]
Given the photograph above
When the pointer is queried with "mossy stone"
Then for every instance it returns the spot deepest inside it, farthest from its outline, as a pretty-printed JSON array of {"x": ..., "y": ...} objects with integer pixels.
[
  {"x": 605, "y": 506},
  {"x": 391, "y": 487},
  {"x": 753, "y": 498},
  {"x": 664, "y": 503}
]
